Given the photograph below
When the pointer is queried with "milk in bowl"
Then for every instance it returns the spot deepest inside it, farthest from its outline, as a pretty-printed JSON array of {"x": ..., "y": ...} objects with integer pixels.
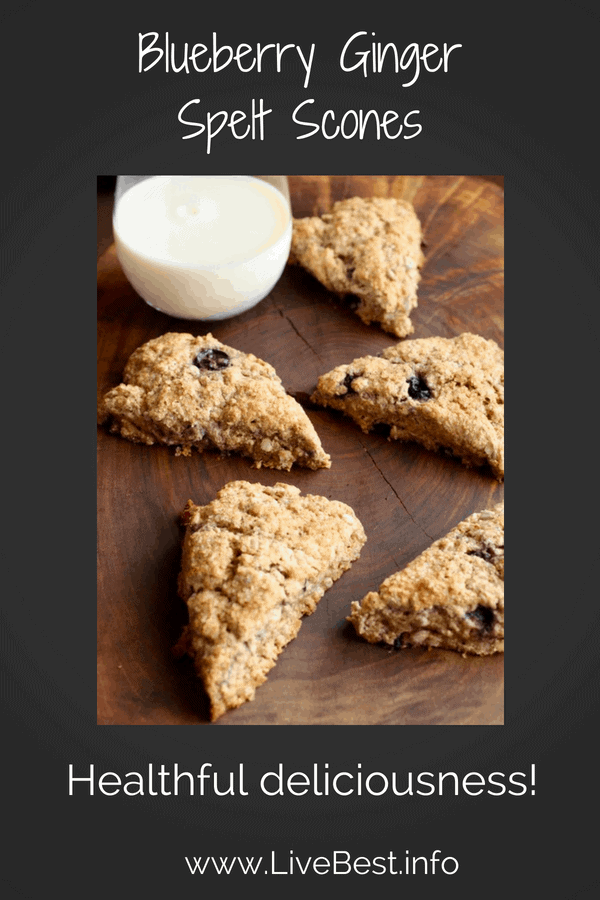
[{"x": 202, "y": 246}]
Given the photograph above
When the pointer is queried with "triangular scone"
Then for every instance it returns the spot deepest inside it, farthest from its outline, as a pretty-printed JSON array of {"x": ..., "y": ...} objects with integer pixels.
[
  {"x": 451, "y": 596},
  {"x": 194, "y": 392},
  {"x": 255, "y": 561},
  {"x": 443, "y": 393},
  {"x": 367, "y": 248}
]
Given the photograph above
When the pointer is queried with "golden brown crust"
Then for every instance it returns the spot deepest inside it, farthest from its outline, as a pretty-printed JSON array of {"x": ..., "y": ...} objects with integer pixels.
[
  {"x": 440, "y": 392},
  {"x": 230, "y": 401},
  {"x": 369, "y": 248},
  {"x": 451, "y": 596},
  {"x": 255, "y": 561}
]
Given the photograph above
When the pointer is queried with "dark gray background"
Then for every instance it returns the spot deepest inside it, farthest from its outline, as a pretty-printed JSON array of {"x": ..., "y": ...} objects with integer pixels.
[{"x": 517, "y": 101}]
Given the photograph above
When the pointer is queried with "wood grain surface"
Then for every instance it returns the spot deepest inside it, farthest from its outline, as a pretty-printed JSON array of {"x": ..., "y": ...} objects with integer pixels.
[{"x": 405, "y": 496}]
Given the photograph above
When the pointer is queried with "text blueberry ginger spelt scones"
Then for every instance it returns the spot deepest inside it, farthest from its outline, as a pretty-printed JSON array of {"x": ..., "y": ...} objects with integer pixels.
[
  {"x": 255, "y": 561},
  {"x": 197, "y": 393}
]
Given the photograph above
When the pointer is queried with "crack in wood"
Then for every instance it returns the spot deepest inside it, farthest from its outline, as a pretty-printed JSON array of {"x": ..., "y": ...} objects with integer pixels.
[
  {"x": 387, "y": 481},
  {"x": 287, "y": 318}
]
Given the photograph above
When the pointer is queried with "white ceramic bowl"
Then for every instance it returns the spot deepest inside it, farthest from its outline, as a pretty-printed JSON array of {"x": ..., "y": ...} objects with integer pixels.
[{"x": 202, "y": 247}]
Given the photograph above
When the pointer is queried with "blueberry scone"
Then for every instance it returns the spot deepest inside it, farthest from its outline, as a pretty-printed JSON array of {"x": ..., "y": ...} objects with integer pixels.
[
  {"x": 451, "y": 596},
  {"x": 443, "y": 393},
  {"x": 194, "y": 392},
  {"x": 370, "y": 250},
  {"x": 255, "y": 561}
]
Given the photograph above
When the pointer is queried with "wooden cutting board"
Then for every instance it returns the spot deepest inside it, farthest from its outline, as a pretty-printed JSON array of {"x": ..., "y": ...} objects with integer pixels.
[{"x": 405, "y": 496}]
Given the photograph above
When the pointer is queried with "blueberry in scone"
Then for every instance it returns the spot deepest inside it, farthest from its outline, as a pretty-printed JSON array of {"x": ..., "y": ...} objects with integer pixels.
[{"x": 197, "y": 393}]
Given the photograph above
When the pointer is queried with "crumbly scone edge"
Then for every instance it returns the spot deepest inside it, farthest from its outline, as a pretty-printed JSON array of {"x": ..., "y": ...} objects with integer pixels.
[
  {"x": 461, "y": 408},
  {"x": 242, "y": 408},
  {"x": 369, "y": 248},
  {"x": 451, "y": 596},
  {"x": 255, "y": 561}
]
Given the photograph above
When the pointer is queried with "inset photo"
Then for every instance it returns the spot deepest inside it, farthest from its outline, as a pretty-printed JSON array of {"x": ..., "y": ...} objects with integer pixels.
[{"x": 300, "y": 450}]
